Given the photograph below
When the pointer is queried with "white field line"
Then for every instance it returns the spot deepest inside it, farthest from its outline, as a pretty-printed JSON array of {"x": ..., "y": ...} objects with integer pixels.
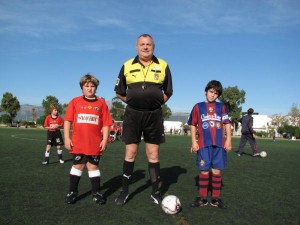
[{"x": 24, "y": 138}]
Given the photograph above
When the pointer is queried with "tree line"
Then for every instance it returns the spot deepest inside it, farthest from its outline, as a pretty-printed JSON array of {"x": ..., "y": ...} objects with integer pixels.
[{"x": 232, "y": 97}]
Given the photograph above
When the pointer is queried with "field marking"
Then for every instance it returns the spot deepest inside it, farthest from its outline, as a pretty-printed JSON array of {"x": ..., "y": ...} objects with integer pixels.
[{"x": 24, "y": 138}]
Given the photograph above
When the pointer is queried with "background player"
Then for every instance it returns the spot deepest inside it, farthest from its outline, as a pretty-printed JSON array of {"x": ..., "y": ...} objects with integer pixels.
[
  {"x": 113, "y": 132},
  {"x": 53, "y": 123},
  {"x": 248, "y": 134}
]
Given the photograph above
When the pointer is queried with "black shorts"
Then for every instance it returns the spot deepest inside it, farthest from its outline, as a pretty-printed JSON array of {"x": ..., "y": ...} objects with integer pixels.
[
  {"x": 83, "y": 159},
  {"x": 55, "y": 138},
  {"x": 149, "y": 124}
]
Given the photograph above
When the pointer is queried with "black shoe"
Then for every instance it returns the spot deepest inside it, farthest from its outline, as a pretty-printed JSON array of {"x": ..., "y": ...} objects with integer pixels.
[
  {"x": 71, "y": 197},
  {"x": 122, "y": 198},
  {"x": 99, "y": 198},
  {"x": 218, "y": 203},
  {"x": 156, "y": 197},
  {"x": 199, "y": 201}
]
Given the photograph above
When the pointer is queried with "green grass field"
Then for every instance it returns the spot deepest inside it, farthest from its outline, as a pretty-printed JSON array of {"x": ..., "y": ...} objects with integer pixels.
[{"x": 256, "y": 190}]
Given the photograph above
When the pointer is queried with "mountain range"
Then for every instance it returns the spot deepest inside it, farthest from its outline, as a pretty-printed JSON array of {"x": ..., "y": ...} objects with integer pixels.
[{"x": 25, "y": 113}]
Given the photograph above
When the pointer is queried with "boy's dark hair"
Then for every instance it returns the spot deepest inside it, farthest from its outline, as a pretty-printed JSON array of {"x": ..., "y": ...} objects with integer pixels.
[
  {"x": 250, "y": 111},
  {"x": 214, "y": 84}
]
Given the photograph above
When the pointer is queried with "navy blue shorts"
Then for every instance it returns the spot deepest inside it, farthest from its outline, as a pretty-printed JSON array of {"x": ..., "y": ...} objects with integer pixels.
[
  {"x": 149, "y": 124},
  {"x": 211, "y": 158}
]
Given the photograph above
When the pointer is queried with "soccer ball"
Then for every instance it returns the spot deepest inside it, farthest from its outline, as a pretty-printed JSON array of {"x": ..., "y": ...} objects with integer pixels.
[
  {"x": 171, "y": 204},
  {"x": 263, "y": 154}
]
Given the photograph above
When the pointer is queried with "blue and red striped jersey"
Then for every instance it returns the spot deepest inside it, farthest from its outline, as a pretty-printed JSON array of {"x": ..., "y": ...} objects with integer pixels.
[{"x": 209, "y": 118}]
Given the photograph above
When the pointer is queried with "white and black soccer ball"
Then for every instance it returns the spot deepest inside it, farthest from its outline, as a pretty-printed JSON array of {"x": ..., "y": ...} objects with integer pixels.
[
  {"x": 263, "y": 154},
  {"x": 171, "y": 204}
]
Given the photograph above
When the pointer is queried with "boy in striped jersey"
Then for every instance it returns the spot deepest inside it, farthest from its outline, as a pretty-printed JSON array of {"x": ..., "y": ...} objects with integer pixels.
[{"x": 208, "y": 120}]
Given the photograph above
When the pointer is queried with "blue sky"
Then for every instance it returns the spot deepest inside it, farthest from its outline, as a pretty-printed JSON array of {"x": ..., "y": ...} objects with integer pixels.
[{"x": 46, "y": 46}]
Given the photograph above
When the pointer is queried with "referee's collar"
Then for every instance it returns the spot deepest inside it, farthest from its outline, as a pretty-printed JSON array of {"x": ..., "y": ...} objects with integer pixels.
[{"x": 136, "y": 60}]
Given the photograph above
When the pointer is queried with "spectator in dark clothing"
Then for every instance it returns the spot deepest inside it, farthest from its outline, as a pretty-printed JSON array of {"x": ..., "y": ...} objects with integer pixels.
[
  {"x": 185, "y": 130},
  {"x": 274, "y": 136},
  {"x": 248, "y": 134}
]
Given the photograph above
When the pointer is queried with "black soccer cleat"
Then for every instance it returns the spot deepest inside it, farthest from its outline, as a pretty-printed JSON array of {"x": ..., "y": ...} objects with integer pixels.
[
  {"x": 99, "y": 198},
  {"x": 216, "y": 202},
  {"x": 122, "y": 198},
  {"x": 156, "y": 197},
  {"x": 71, "y": 197},
  {"x": 199, "y": 201}
]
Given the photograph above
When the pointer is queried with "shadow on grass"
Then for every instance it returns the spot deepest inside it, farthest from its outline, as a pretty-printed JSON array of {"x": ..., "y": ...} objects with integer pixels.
[
  {"x": 113, "y": 185},
  {"x": 169, "y": 176},
  {"x": 84, "y": 195},
  {"x": 68, "y": 160},
  {"x": 244, "y": 154},
  {"x": 57, "y": 162}
]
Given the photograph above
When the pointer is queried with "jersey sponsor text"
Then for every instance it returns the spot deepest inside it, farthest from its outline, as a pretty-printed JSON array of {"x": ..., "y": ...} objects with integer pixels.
[{"x": 88, "y": 118}]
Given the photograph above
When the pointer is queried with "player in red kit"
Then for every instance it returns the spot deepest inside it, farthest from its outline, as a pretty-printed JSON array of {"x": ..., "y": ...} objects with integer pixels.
[
  {"x": 209, "y": 118},
  {"x": 53, "y": 123},
  {"x": 90, "y": 119},
  {"x": 113, "y": 132}
]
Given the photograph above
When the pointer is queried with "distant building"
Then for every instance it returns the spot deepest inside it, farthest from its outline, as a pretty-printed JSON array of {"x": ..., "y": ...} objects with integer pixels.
[
  {"x": 261, "y": 123},
  {"x": 179, "y": 116},
  {"x": 174, "y": 127}
]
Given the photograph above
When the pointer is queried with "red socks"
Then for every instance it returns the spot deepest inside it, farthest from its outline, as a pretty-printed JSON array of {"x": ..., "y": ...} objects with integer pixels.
[{"x": 204, "y": 183}]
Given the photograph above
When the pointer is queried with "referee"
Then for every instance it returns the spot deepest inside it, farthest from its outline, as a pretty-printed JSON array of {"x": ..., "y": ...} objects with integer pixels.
[{"x": 144, "y": 84}]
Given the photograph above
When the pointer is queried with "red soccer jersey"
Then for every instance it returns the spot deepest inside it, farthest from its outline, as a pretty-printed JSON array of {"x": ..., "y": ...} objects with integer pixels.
[
  {"x": 50, "y": 121},
  {"x": 113, "y": 127},
  {"x": 87, "y": 118},
  {"x": 119, "y": 129}
]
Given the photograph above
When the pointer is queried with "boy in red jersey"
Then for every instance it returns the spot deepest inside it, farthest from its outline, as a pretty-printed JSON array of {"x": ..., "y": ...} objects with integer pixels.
[
  {"x": 209, "y": 118},
  {"x": 119, "y": 131},
  {"x": 90, "y": 119},
  {"x": 53, "y": 123},
  {"x": 113, "y": 132}
]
